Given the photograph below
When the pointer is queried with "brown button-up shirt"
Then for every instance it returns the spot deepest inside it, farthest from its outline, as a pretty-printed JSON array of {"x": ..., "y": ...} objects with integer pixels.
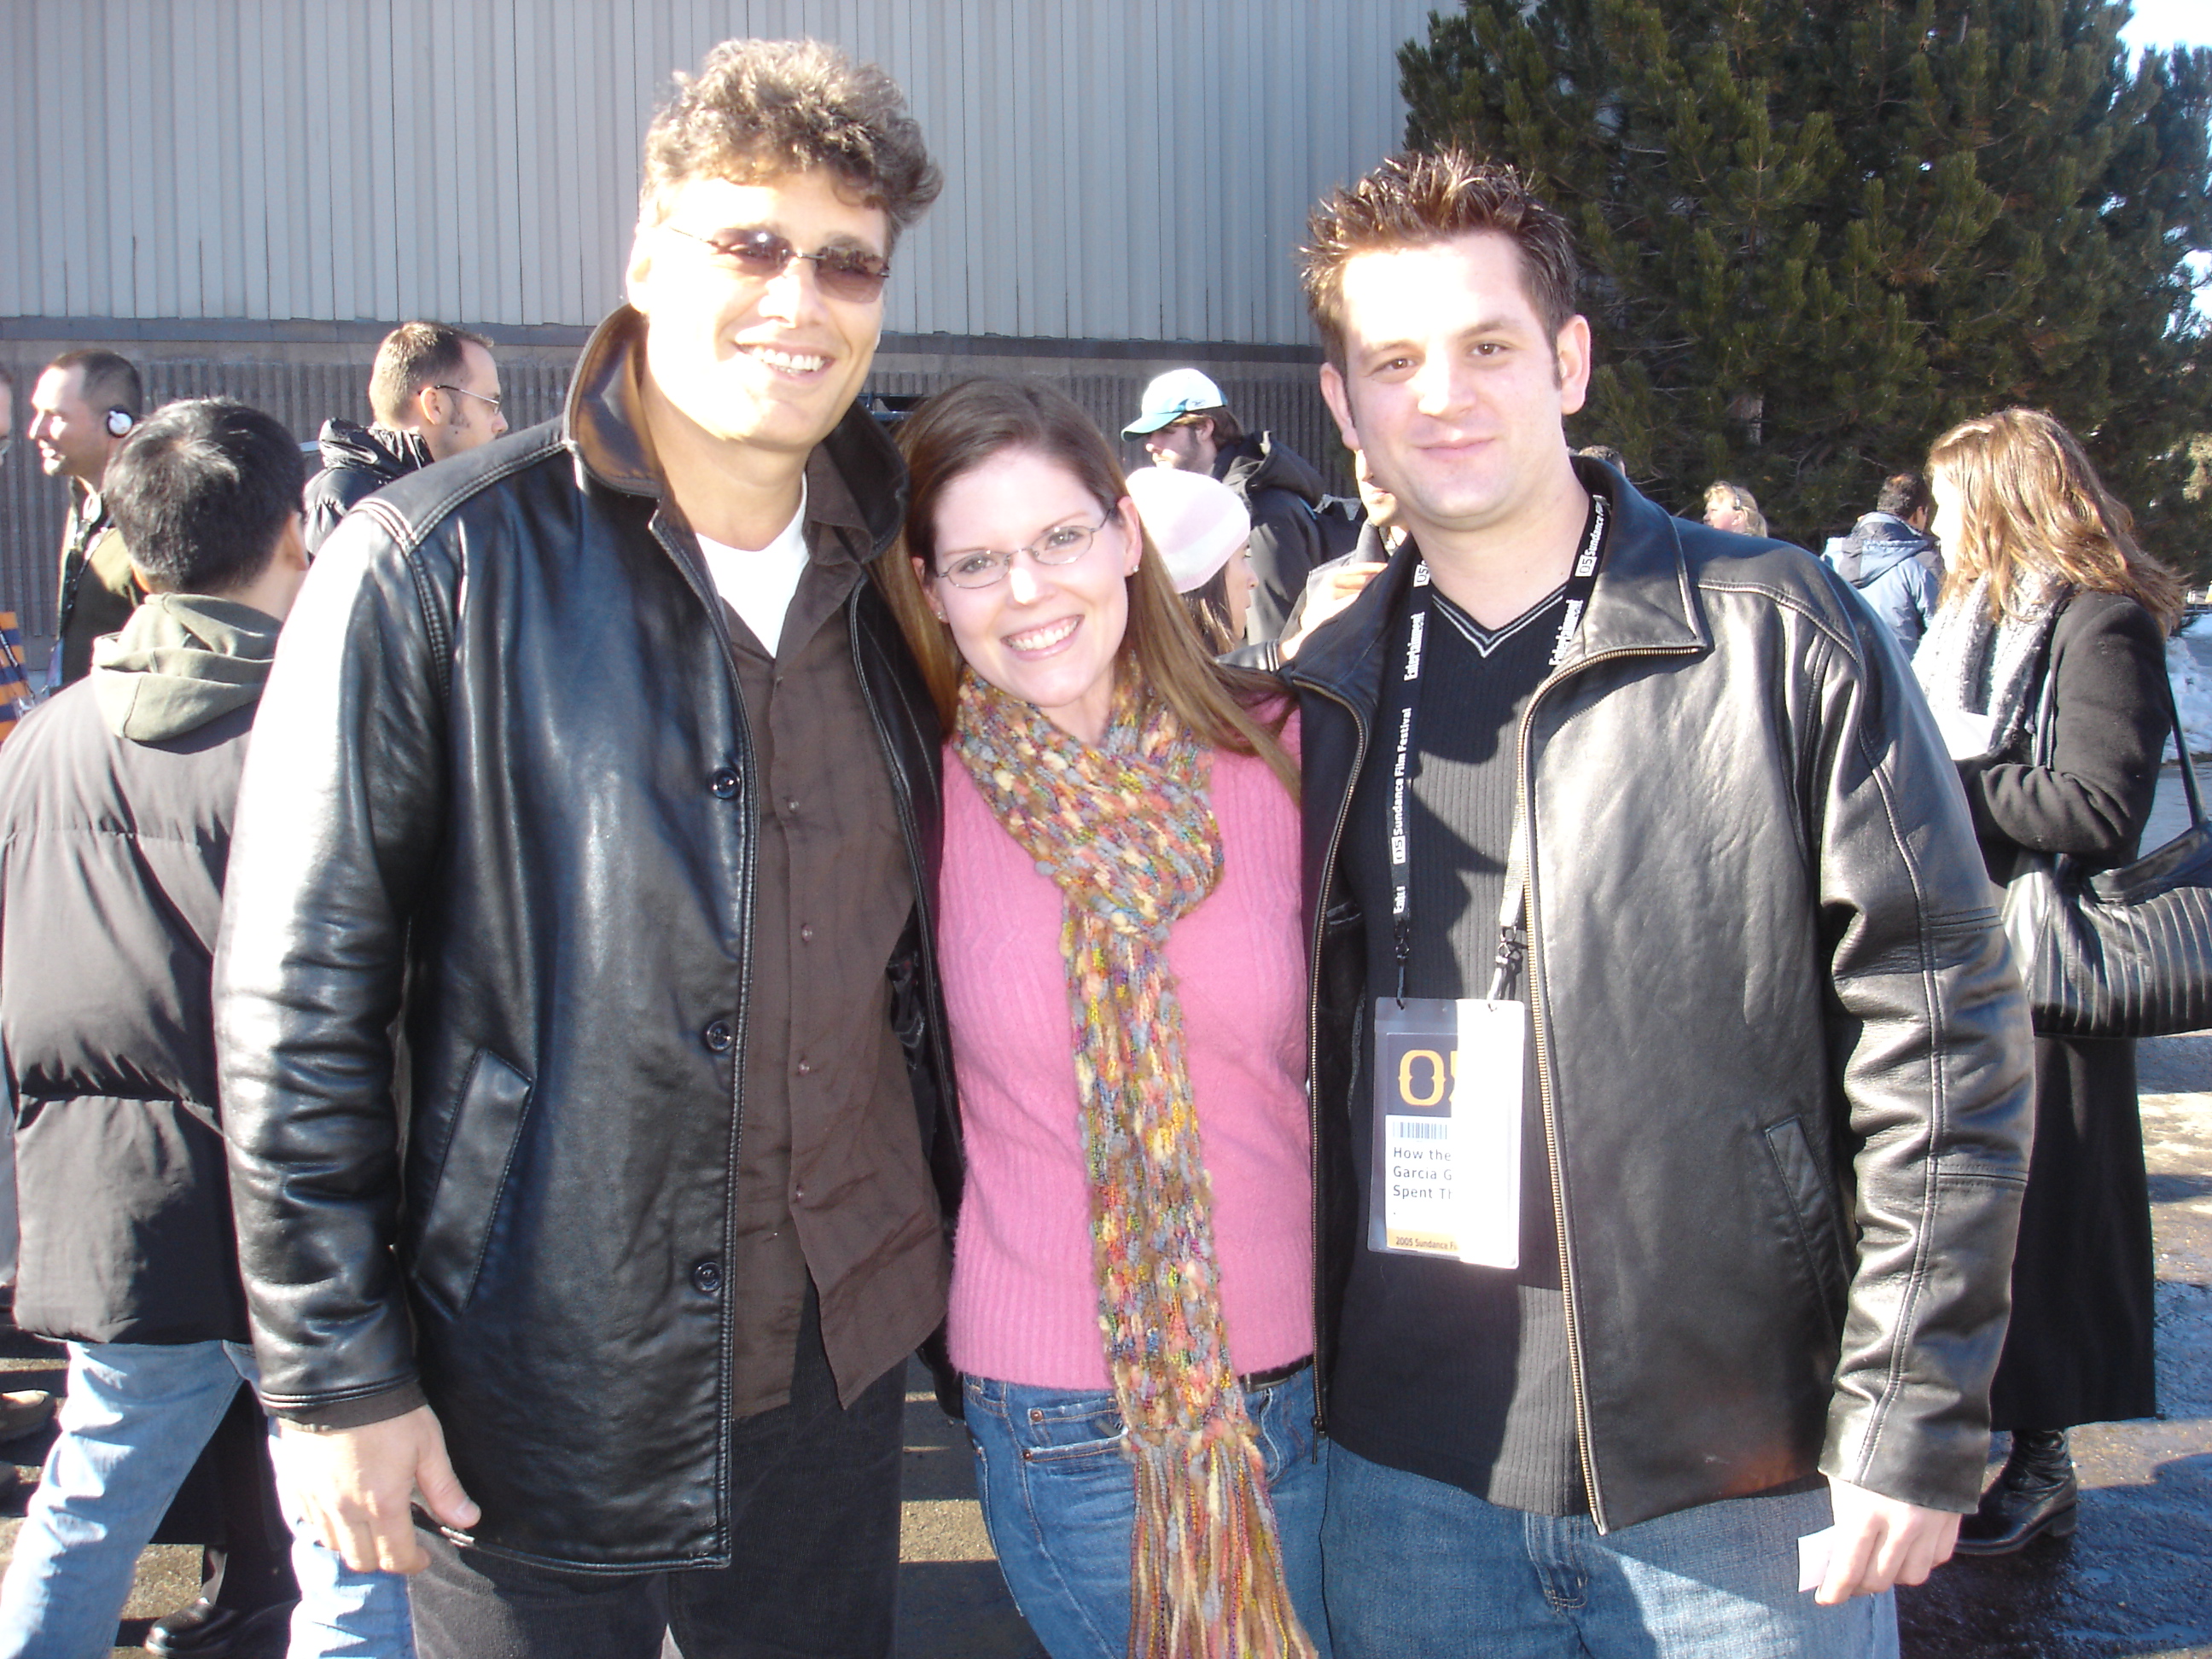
[{"x": 831, "y": 1183}]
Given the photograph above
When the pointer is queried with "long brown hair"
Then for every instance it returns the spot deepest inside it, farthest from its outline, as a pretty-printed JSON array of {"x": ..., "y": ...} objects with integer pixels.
[
  {"x": 2031, "y": 505},
  {"x": 959, "y": 429}
]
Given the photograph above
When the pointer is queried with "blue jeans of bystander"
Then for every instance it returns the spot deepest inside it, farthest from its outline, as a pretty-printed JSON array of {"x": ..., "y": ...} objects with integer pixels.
[
  {"x": 1060, "y": 1502},
  {"x": 135, "y": 1418},
  {"x": 1418, "y": 1570}
]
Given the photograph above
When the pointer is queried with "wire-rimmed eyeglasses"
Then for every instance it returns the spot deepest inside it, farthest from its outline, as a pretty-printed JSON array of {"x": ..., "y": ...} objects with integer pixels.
[
  {"x": 440, "y": 386},
  {"x": 984, "y": 566}
]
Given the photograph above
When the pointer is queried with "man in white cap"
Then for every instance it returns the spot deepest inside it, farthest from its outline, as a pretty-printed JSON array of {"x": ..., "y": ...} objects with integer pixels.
[{"x": 1185, "y": 425}]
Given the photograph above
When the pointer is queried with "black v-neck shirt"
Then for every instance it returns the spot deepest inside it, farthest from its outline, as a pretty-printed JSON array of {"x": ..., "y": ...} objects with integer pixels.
[{"x": 1453, "y": 1372}]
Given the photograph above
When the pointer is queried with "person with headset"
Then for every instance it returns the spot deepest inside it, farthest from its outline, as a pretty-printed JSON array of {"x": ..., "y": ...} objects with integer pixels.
[{"x": 83, "y": 406}]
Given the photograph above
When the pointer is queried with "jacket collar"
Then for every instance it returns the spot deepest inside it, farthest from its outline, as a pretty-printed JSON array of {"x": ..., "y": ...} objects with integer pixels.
[
  {"x": 1643, "y": 602},
  {"x": 855, "y": 480}
]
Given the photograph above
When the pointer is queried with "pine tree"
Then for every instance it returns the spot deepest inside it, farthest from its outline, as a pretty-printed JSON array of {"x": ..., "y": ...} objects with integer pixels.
[{"x": 1819, "y": 233}]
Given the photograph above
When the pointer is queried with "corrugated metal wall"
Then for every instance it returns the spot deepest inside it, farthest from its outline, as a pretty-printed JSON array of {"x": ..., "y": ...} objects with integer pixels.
[{"x": 1121, "y": 169}]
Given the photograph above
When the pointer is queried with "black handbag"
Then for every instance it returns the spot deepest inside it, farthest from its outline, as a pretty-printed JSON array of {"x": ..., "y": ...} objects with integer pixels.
[{"x": 2127, "y": 952}]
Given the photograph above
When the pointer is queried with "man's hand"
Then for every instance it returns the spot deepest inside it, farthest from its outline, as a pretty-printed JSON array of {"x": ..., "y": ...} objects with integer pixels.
[
  {"x": 1882, "y": 1542},
  {"x": 355, "y": 1486},
  {"x": 1328, "y": 592}
]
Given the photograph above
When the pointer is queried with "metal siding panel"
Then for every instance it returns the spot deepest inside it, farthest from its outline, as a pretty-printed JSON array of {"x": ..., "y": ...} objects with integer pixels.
[
  {"x": 374, "y": 241},
  {"x": 412, "y": 223},
  {"x": 243, "y": 138},
  {"x": 1096, "y": 291},
  {"x": 19, "y": 185},
  {"x": 905, "y": 43},
  {"x": 943, "y": 302},
  {"x": 178, "y": 290},
  {"x": 334, "y": 215},
  {"x": 1000, "y": 250},
  {"x": 1287, "y": 89},
  {"x": 532, "y": 118},
  {"x": 503, "y": 223},
  {"x": 220, "y": 253},
  {"x": 461, "y": 116},
  {"x": 446, "y": 159},
  {"x": 141, "y": 166},
  {"x": 62, "y": 115},
  {"x": 1139, "y": 315},
  {"x": 569, "y": 220},
  {"x": 311, "y": 168},
  {"x": 282, "y": 160},
  {"x": 1140, "y": 170}
]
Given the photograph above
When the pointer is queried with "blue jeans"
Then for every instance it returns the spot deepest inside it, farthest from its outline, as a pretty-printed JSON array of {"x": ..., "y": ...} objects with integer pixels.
[
  {"x": 133, "y": 1422},
  {"x": 1416, "y": 1568},
  {"x": 1060, "y": 1502}
]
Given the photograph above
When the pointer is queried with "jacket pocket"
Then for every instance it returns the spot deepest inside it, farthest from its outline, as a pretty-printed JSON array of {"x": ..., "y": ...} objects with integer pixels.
[
  {"x": 1810, "y": 1202},
  {"x": 479, "y": 1152}
]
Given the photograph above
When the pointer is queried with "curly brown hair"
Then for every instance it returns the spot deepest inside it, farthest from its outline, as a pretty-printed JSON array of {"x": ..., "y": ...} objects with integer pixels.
[
  {"x": 1422, "y": 198},
  {"x": 760, "y": 109}
]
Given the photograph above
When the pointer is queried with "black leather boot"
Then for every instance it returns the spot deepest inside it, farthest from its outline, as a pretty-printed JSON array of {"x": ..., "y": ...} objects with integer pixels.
[{"x": 2034, "y": 1495}]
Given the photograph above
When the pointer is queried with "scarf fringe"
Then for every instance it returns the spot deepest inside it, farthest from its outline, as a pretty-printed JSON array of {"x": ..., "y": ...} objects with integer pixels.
[{"x": 1206, "y": 1563}]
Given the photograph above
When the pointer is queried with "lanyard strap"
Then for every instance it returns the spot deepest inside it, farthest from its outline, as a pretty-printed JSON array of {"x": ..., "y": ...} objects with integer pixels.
[{"x": 1581, "y": 581}]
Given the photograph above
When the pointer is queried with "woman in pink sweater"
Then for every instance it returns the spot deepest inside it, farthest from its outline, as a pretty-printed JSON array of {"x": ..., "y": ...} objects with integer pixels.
[{"x": 1132, "y": 1308}]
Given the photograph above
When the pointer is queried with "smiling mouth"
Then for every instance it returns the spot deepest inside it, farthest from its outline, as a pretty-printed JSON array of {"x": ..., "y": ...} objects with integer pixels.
[
  {"x": 786, "y": 362},
  {"x": 1042, "y": 638}
]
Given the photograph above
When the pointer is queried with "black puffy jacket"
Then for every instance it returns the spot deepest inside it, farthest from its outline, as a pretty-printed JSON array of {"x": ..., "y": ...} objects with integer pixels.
[
  {"x": 357, "y": 462},
  {"x": 115, "y": 832},
  {"x": 1782, "y": 1049},
  {"x": 504, "y": 760},
  {"x": 1282, "y": 492}
]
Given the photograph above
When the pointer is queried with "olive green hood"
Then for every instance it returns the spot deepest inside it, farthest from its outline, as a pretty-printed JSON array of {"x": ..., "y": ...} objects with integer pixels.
[{"x": 181, "y": 660}]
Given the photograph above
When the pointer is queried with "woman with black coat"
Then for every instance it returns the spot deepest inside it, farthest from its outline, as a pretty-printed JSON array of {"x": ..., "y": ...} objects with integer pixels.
[{"x": 2044, "y": 578}]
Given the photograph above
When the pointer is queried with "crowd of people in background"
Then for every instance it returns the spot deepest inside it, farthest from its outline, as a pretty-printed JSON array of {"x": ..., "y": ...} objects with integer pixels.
[{"x": 1317, "y": 1020}]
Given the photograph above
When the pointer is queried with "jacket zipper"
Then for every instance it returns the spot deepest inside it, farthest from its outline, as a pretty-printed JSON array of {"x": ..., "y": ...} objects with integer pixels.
[
  {"x": 1538, "y": 1018},
  {"x": 1313, "y": 1060}
]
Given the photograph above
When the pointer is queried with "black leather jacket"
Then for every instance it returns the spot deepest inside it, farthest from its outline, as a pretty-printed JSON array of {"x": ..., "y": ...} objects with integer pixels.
[
  {"x": 503, "y": 759},
  {"x": 1783, "y": 1051}
]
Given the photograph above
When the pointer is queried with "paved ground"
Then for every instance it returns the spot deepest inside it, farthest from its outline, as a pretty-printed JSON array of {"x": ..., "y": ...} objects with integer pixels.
[{"x": 2136, "y": 1579}]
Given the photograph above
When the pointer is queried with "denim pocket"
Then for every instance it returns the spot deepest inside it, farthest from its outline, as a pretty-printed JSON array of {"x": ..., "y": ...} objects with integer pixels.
[{"x": 1071, "y": 1428}]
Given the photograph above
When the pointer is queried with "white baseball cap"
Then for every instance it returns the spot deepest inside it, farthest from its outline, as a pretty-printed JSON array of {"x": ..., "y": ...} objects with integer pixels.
[
  {"x": 1195, "y": 522},
  {"x": 1178, "y": 393}
]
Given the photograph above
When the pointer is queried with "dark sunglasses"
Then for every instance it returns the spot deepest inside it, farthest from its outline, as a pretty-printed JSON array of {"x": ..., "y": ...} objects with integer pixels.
[{"x": 845, "y": 273}]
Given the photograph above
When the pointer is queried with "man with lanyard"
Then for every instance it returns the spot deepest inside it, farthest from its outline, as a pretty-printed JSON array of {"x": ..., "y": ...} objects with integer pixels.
[
  {"x": 1665, "y": 1042},
  {"x": 83, "y": 406}
]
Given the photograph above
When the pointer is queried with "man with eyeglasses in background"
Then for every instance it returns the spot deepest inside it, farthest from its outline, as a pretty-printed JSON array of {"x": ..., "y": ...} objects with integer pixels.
[
  {"x": 434, "y": 390},
  {"x": 597, "y": 758}
]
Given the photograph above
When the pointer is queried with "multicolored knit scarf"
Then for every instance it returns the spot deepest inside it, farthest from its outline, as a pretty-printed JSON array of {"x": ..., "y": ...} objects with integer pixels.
[{"x": 1126, "y": 831}]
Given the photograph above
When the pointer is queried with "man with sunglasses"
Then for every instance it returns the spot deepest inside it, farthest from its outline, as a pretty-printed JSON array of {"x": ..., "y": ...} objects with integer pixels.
[
  {"x": 434, "y": 392},
  {"x": 597, "y": 764}
]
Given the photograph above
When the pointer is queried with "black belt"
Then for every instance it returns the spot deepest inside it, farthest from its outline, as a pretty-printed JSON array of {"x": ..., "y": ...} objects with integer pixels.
[{"x": 1257, "y": 1380}]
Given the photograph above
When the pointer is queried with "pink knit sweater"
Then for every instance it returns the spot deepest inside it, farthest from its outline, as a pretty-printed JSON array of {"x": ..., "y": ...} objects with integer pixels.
[{"x": 1025, "y": 1302}]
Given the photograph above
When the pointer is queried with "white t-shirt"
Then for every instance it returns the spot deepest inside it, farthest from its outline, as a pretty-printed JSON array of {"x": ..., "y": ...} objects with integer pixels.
[{"x": 759, "y": 585}]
